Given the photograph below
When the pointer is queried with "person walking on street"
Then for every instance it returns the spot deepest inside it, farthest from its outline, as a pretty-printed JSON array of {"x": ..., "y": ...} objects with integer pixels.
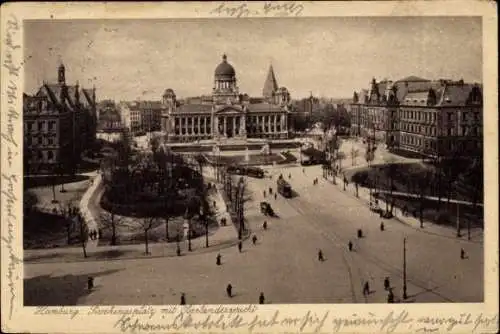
[
  {"x": 240, "y": 246},
  {"x": 261, "y": 298},
  {"x": 254, "y": 239},
  {"x": 270, "y": 191},
  {"x": 264, "y": 193},
  {"x": 218, "y": 260},
  {"x": 390, "y": 297},
  {"x": 183, "y": 299},
  {"x": 320, "y": 256},
  {"x": 264, "y": 226},
  {"x": 350, "y": 246},
  {"x": 90, "y": 283},
  {"x": 366, "y": 289},
  {"x": 289, "y": 175},
  {"x": 229, "y": 290},
  {"x": 382, "y": 226},
  {"x": 387, "y": 284},
  {"x": 462, "y": 253},
  {"x": 275, "y": 196}
]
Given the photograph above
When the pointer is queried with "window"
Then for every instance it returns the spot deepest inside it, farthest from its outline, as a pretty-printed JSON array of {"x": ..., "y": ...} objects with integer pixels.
[
  {"x": 29, "y": 140},
  {"x": 50, "y": 155},
  {"x": 450, "y": 116},
  {"x": 450, "y": 132},
  {"x": 52, "y": 125},
  {"x": 50, "y": 140},
  {"x": 29, "y": 126},
  {"x": 40, "y": 126}
]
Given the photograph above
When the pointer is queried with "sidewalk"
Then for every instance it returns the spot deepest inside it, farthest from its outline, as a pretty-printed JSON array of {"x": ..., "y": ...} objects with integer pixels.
[{"x": 429, "y": 227}]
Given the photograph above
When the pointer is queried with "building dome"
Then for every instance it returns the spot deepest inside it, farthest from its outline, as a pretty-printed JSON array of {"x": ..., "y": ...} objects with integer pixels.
[
  {"x": 169, "y": 92},
  {"x": 224, "y": 69}
]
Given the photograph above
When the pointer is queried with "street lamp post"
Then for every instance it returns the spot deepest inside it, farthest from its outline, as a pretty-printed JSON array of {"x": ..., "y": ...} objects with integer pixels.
[
  {"x": 404, "y": 269},
  {"x": 459, "y": 234}
]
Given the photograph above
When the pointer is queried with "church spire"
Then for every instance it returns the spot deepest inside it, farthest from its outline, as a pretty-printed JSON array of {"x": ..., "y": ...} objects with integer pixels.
[{"x": 271, "y": 85}]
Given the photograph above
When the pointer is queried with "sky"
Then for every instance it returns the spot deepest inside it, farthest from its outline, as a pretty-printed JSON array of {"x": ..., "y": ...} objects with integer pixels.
[{"x": 328, "y": 57}]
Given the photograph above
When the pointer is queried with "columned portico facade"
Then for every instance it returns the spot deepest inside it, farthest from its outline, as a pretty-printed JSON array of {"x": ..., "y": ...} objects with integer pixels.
[{"x": 227, "y": 113}]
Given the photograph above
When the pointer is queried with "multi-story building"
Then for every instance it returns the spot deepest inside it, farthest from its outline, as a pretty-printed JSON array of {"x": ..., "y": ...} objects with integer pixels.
[
  {"x": 421, "y": 116},
  {"x": 59, "y": 124},
  {"x": 227, "y": 113}
]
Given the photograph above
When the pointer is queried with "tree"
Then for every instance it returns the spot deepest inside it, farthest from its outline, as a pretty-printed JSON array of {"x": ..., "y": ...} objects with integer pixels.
[
  {"x": 84, "y": 232},
  {"x": 354, "y": 155},
  {"x": 68, "y": 212},
  {"x": 30, "y": 200},
  {"x": 391, "y": 170},
  {"x": 147, "y": 224},
  {"x": 340, "y": 156},
  {"x": 109, "y": 219},
  {"x": 369, "y": 156},
  {"x": 201, "y": 161}
]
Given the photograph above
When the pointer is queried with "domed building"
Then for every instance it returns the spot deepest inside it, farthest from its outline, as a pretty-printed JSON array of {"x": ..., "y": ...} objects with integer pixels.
[{"x": 227, "y": 113}]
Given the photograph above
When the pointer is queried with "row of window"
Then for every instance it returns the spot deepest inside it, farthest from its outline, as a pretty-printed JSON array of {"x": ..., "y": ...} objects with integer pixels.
[
  {"x": 40, "y": 126},
  {"x": 40, "y": 140},
  {"x": 44, "y": 156},
  {"x": 418, "y": 115}
]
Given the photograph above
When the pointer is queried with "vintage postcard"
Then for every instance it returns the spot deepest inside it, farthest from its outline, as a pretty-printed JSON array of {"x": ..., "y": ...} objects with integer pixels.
[{"x": 261, "y": 167}]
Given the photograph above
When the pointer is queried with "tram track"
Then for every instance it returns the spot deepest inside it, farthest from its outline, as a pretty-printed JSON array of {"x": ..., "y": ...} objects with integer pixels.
[{"x": 305, "y": 209}]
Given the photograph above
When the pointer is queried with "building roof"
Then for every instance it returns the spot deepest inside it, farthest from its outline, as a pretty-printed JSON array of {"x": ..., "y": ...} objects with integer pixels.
[
  {"x": 264, "y": 107},
  {"x": 224, "y": 69},
  {"x": 412, "y": 78},
  {"x": 419, "y": 98},
  {"x": 456, "y": 94},
  {"x": 270, "y": 85},
  {"x": 194, "y": 108},
  {"x": 149, "y": 105}
]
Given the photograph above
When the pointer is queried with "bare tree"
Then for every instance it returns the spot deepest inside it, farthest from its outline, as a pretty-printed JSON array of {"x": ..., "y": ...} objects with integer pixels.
[
  {"x": 354, "y": 155},
  {"x": 109, "y": 219},
  {"x": 390, "y": 171},
  {"x": 340, "y": 156},
  {"x": 369, "y": 155},
  {"x": 68, "y": 212},
  {"x": 147, "y": 224},
  {"x": 84, "y": 233}
]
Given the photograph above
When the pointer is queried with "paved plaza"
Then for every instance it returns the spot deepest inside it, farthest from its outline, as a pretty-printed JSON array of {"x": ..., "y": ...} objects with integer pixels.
[{"x": 284, "y": 262}]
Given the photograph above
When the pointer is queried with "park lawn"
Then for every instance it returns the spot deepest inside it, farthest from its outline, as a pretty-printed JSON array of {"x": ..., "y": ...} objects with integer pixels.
[
  {"x": 72, "y": 195},
  {"x": 443, "y": 214},
  {"x": 46, "y": 230},
  {"x": 129, "y": 230}
]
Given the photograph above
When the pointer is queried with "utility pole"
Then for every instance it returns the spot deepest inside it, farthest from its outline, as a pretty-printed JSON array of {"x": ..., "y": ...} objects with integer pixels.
[
  {"x": 405, "y": 296},
  {"x": 458, "y": 221}
]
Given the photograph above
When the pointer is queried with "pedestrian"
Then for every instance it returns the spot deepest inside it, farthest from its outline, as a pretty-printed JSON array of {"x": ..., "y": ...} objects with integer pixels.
[
  {"x": 98, "y": 234},
  {"x": 229, "y": 290},
  {"x": 366, "y": 289},
  {"x": 218, "y": 261},
  {"x": 382, "y": 226},
  {"x": 350, "y": 246},
  {"x": 183, "y": 299},
  {"x": 270, "y": 191},
  {"x": 261, "y": 298},
  {"x": 303, "y": 170},
  {"x": 178, "y": 251},
  {"x": 360, "y": 233},
  {"x": 254, "y": 239},
  {"x": 387, "y": 284},
  {"x": 265, "y": 225},
  {"x": 214, "y": 204},
  {"x": 289, "y": 175},
  {"x": 390, "y": 297},
  {"x": 240, "y": 246},
  {"x": 320, "y": 256},
  {"x": 275, "y": 196},
  {"x": 462, "y": 253},
  {"x": 264, "y": 193},
  {"x": 90, "y": 283}
]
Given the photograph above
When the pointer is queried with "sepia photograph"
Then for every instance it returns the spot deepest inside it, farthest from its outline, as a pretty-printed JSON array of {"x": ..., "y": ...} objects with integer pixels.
[{"x": 257, "y": 161}]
